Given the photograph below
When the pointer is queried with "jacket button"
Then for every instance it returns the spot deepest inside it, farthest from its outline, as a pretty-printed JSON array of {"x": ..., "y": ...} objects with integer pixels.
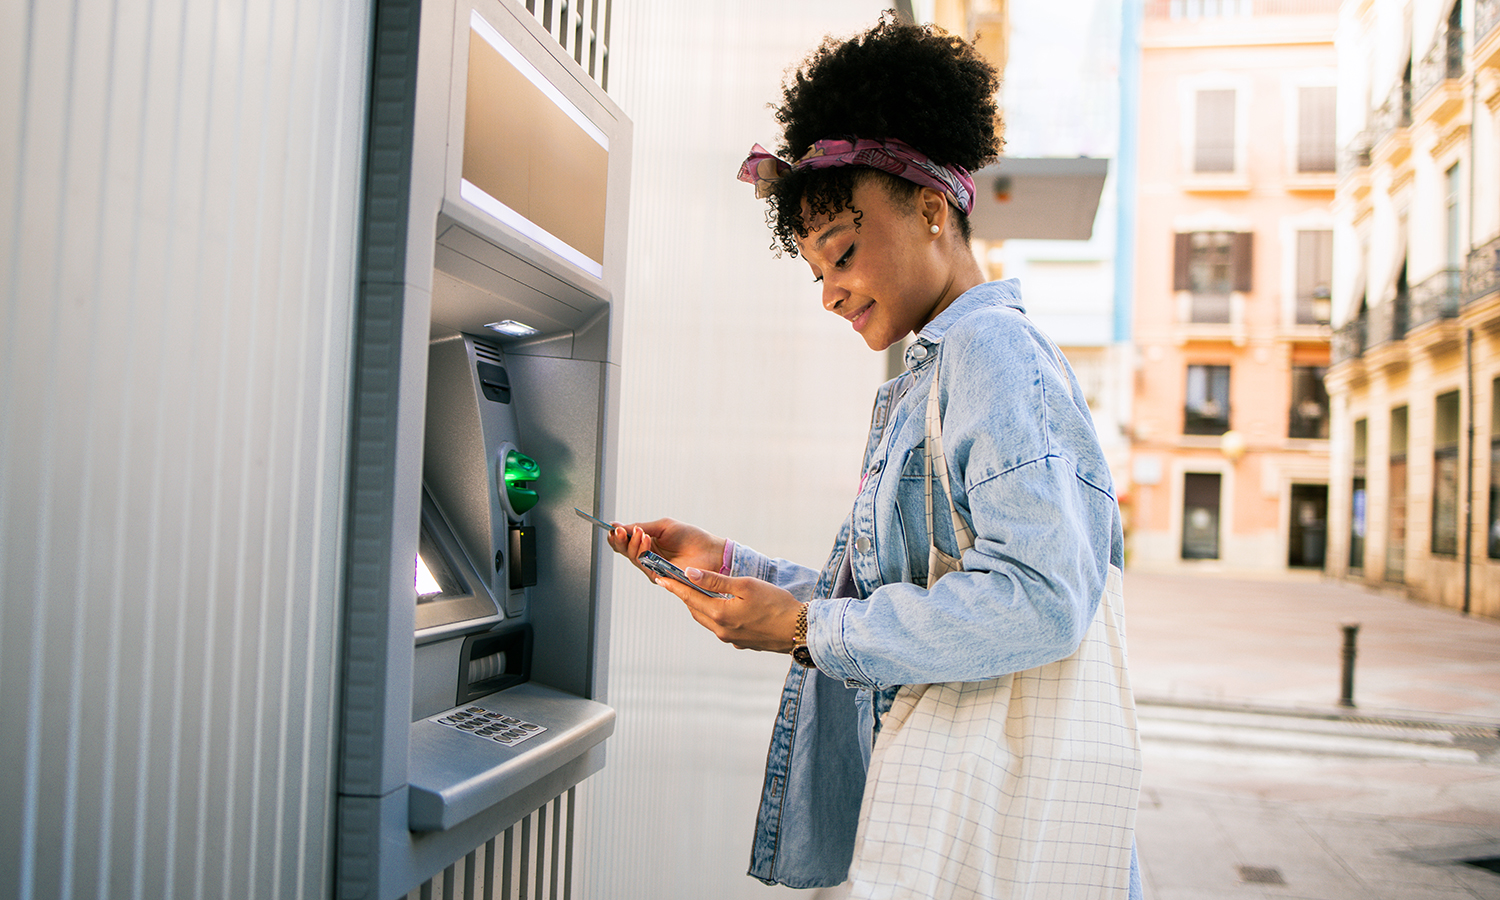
[
  {"x": 918, "y": 351},
  {"x": 862, "y": 544}
]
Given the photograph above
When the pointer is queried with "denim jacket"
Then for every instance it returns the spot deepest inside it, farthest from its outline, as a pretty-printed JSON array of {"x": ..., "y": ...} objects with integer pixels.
[{"x": 1027, "y": 470}]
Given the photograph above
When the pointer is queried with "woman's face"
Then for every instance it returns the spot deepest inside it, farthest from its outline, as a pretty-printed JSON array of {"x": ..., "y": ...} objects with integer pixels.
[{"x": 880, "y": 265}]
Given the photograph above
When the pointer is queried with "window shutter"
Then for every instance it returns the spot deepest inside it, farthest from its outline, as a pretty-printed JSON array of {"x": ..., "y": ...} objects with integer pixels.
[
  {"x": 1182, "y": 254},
  {"x": 1239, "y": 261},
  {"x": 1316, "y": 145},
  {"x": 1214, "y": 139}
]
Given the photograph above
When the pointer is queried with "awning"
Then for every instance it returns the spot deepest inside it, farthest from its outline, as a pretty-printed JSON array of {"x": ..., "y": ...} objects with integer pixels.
[
  {"x": 1391, "y": 285},
  {"x": 1048, "y": 198}
]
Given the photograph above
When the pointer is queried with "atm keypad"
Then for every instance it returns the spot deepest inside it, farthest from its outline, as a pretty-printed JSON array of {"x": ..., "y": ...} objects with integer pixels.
[{"x": 492, "y": 726}]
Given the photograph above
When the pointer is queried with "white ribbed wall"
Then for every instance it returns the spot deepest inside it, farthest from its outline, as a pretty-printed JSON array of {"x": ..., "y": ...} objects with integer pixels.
[
  {"x": 179, "y": 185},
  {"x": 744, "y": 409}
]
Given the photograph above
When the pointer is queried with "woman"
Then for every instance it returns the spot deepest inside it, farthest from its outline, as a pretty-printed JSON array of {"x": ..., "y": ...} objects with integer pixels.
[{"x": 957, "y": 721}]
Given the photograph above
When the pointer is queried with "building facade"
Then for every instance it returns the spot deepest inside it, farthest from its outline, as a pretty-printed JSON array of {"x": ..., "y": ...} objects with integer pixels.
[
  {"x": 1415, "y": 377},
  {"x": 1233, "y": 229}
]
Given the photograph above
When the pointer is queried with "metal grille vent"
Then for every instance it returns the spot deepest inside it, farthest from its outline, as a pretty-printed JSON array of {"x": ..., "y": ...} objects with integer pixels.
[
  {"x": 580, "y": 27},
  {"x": 531, "y": 860},
  {"x": 487, "y": 352}
]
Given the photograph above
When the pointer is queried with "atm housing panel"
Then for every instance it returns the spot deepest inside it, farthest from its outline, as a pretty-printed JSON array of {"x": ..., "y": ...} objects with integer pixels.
[{"x": 502, "y": 678}]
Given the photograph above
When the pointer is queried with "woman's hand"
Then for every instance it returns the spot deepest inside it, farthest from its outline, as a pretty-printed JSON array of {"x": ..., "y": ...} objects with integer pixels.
[
  {"x": 682, "y": 545},
  {"x": 759, "y": 615}
]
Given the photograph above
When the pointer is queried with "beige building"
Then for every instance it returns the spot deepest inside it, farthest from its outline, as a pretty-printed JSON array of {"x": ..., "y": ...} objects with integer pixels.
[
  {"x": 1415, "y": 380},
  {"x": 1229, "y": 466}
]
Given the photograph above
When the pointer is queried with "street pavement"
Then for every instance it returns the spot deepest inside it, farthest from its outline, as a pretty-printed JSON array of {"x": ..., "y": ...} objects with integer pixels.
[{"x": 1259, "y": 783}]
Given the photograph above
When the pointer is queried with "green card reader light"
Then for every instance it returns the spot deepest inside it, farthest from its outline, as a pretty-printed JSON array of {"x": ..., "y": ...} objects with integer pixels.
[
  {"x": 518, "y": 471},
  {"x": 518, "y": 474}
]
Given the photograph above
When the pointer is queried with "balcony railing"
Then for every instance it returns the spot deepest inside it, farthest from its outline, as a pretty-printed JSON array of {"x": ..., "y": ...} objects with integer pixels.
[
  {"x": 1348, "y": 341},
  {"x": 1394, "y": 113},
  {"x": 1444, "y": 60},
  {"x": 1211, "y": 9},
  {"x": 1482, "y": 272},
  {"x": 1356, "y": 154},
  {"x": 1486, "y": 17},
  {"x": 1437, "y": 298},
  {"x": 1388, "y": 321},
  {"x": 1211, "y": 309}
]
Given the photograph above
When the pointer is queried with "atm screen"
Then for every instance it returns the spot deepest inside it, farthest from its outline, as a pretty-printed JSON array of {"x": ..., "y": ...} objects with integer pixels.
[
  {"x": 436, "y": 579},
  {"x": 450, "y": 595}
]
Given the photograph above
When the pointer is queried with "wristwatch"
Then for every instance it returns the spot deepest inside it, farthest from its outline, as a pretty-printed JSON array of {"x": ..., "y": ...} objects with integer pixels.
[{"x": 800, "y": 653}]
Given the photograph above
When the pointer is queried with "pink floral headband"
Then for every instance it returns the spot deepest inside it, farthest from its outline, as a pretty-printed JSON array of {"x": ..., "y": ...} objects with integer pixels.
[{"x": 761, "y": 168}]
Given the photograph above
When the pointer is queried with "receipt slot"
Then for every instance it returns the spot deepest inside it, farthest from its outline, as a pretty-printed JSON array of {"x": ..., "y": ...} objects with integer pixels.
[{"x": 485, "y": 403}]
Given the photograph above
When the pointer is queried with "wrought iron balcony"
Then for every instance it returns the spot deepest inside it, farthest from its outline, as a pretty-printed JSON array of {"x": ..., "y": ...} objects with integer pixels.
[
  {"x": 1394, "y": 113},
  {"x": 1356, "y": 154},
  {"x": 1437, "y": 297},
  {"x": 1482, "y": 273},
  {"x": 1388, "y": 321},
  {"x": 1444, "y": 60},
  {"x": 1348, "y": 341},
  {"x": 1486, "y": 17}
]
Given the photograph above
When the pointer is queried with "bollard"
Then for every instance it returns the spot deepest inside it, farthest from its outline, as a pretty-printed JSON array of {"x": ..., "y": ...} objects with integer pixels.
[{"x": 1351, "y": 632}]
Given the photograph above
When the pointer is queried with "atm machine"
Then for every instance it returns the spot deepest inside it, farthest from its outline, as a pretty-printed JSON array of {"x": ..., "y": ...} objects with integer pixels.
[{"x": 485, "y": 405}]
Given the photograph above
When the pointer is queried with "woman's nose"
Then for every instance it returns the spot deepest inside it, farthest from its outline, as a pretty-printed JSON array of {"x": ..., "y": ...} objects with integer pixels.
[{"x": 833, "y": 295}]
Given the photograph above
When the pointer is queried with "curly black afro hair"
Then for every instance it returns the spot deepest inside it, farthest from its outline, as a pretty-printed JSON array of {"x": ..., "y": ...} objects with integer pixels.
[{"x": 916, "y": 83}]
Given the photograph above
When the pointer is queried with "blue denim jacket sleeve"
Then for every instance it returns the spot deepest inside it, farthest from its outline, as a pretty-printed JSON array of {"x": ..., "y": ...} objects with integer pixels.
[
  {"x": 799, "y": 580},
  {"x": 1027, "y": 472}
]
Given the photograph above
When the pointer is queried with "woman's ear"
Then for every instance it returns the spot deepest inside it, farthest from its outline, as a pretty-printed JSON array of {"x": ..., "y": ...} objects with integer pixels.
[{"x": 933, "y": 207}]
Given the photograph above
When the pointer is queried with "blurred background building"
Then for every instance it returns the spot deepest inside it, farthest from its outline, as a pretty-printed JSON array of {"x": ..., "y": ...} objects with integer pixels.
[
  {"x": 1233, "y": 233},
  {"x": 1415, "y": 491}
]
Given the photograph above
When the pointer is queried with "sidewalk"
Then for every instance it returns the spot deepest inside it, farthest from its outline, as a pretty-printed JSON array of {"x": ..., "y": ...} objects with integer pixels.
[{"x": 1257, "y": 784}]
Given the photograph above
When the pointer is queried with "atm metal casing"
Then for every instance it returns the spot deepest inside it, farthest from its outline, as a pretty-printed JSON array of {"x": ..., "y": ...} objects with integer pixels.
[{"x": 441, "y": 261}]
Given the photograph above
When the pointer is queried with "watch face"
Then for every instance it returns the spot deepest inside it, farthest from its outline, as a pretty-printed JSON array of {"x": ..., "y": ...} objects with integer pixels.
[{"x": 803, "y": 656}]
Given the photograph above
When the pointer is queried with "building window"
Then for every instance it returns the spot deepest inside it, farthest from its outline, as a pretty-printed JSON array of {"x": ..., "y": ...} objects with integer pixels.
[
  {"x": 1395, "y": 539},
  {"x": 1200, "y": 515},
  {"x": 1316, "y": 146},
  {"x": 1358, "y": 502},
  {"x": 1314, "y": 277},
  {"x": 1445, "y": 476},
  {"x": 1207, "y": 408},
  {"x": 1213, "y": 131},
  {"x": 1453, "y": 250},
  {"x": 1309, "y": 413},
  {"x": 1494, "y": 522},
  {"x": 1211, "y": 265}
]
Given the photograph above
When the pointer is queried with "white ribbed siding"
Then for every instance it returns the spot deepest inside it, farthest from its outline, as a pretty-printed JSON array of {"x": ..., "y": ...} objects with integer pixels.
[
  {"x": 743, "y": 409},
  {"x": 179, "y": 187}
]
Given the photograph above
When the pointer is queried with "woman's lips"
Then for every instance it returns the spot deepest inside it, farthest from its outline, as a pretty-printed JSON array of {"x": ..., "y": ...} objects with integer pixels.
[{"x": 858, "y": 319}]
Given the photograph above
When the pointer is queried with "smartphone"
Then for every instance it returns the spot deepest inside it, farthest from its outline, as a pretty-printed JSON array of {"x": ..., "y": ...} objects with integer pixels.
[
  {"x": 655, "y": 562},
  {"x": 660, "y": 566}
]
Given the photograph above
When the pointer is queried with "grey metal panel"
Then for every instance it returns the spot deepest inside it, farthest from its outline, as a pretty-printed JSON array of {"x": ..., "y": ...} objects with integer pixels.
[
  {"x": 558, "y": 408},
  {"x": 180, "y": 189},
  {"x": 455, "y": 776}
]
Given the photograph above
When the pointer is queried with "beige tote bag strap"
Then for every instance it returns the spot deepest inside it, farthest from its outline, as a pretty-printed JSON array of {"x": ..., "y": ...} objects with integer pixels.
[{"x": 938, "y": 562}]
